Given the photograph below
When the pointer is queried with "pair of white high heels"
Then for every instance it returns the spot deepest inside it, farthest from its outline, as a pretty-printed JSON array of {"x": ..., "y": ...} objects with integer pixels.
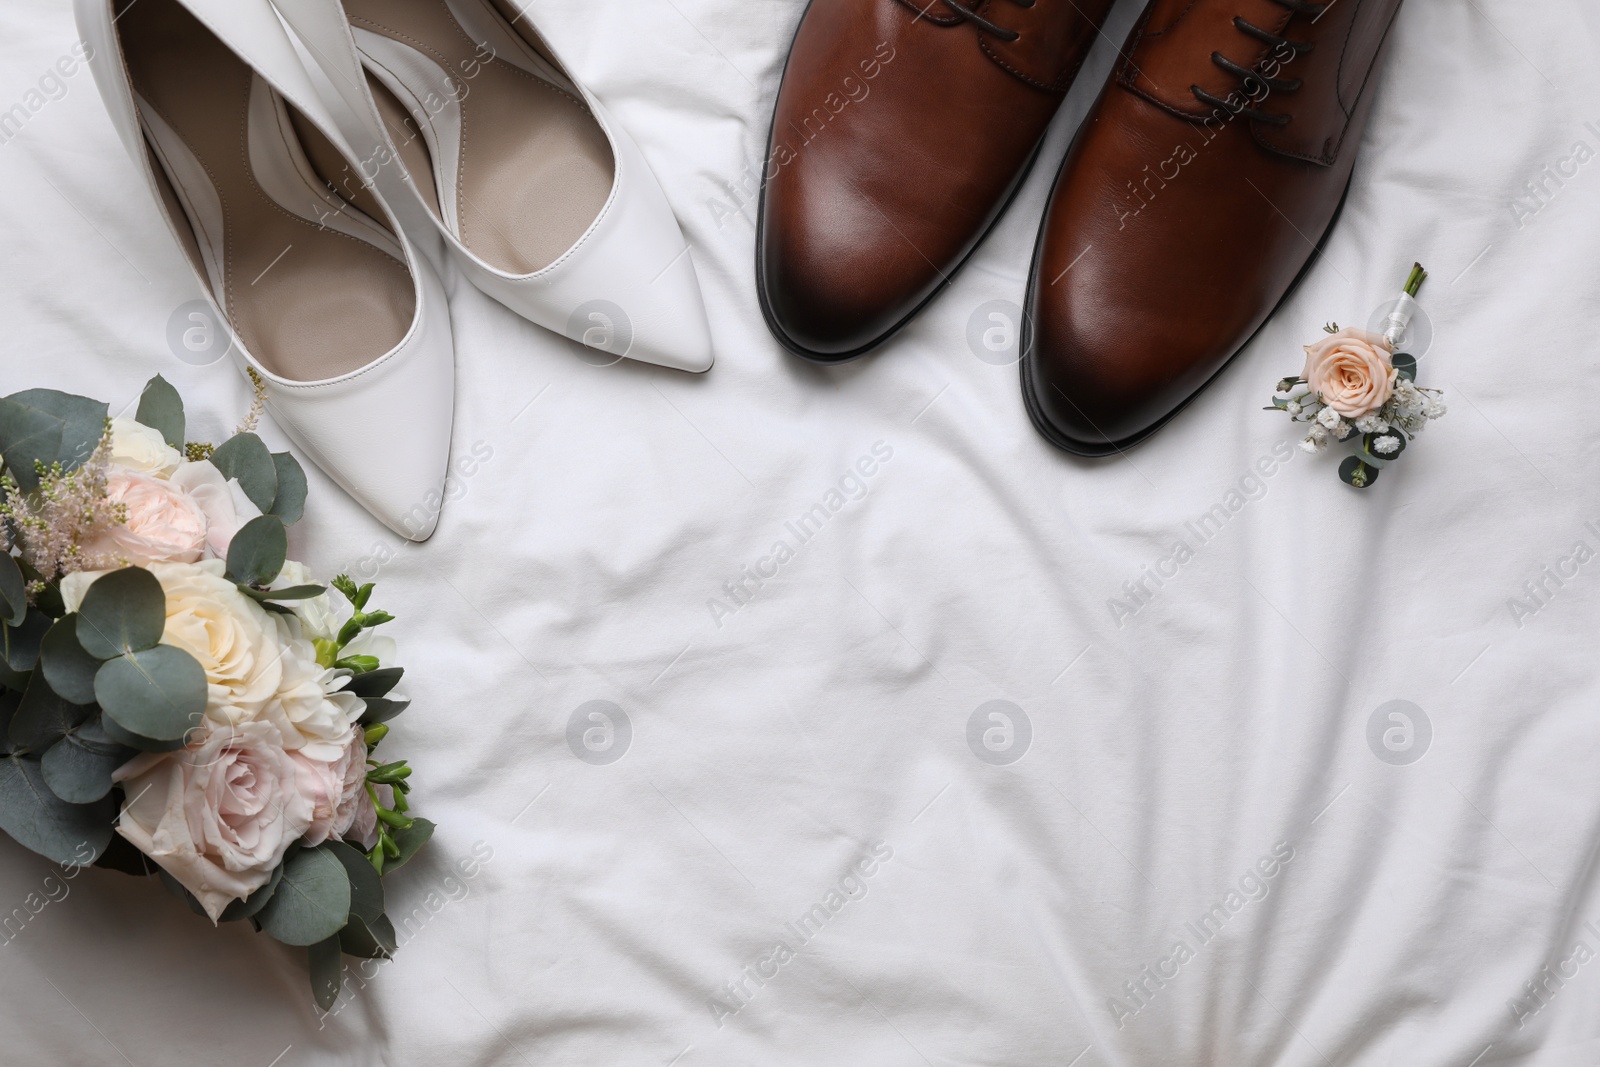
[{"x": 281, "y": 193}]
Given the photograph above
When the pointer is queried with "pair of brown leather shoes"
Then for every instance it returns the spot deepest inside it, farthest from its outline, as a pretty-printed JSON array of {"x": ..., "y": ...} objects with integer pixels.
[{"x": 1193, "y": 197}]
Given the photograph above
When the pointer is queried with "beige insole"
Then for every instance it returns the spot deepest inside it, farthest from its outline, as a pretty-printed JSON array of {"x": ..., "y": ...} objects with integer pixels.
[
  {"x": 535, "y": 168},
  {"x": 308, "y": 302}
]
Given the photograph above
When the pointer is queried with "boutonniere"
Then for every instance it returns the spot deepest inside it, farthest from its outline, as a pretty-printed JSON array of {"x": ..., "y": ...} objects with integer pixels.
[{"x": 1358, "y": 390}]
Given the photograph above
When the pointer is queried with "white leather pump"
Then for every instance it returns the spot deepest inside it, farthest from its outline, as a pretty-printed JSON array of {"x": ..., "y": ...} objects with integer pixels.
[
  {"x": 545, "y": 202},
  {"x": 327, "y": 300}
]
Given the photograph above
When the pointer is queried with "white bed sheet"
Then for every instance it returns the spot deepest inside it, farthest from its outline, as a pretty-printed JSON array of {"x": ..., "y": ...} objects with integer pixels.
[{"x": 572, "y": 912}]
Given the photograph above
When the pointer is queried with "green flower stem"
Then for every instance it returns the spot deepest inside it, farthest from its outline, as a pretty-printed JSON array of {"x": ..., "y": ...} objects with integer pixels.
[{"x": 1415, "y": 279}]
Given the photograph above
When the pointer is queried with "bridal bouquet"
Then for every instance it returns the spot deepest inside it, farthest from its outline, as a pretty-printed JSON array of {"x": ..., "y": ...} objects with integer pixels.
[
  {"x": 178, "y": 697},
  {"x": 1356, "y": 387}
]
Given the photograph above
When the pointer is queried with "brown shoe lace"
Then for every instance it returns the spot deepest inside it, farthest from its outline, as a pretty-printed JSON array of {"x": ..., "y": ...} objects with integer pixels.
[
  {"x": 967, "y": 14},
  {"x": 1247, "y": 76}
]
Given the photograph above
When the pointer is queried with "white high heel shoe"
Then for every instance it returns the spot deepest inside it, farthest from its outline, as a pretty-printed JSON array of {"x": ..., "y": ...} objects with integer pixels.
[
  {"x": 326, "y": 298},
  {"x": 544, "y": 201}
]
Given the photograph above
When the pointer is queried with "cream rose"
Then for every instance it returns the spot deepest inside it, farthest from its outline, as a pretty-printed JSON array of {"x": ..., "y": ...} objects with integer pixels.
[
  {"x": 1350, "y": 371},
  {"x": 137, "y": 447},
  {"x": 224, "y": 503},
  {"x": 163, "y": 523},
  {"x": 240, "y": 645},
  {"x": 217, "y": 816},
  {"x": 338, "y": 793}
]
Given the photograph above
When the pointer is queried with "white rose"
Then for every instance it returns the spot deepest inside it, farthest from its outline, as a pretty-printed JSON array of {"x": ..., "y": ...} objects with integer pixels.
[
  {"x": 372, "y": 642},
  {"x": 217, "y": 816},
  {"x": 318, "y": 618},
  {"x": 224, "y": 503},
  {"x": 311, "y": 710},
  {"x": 137, "y": 447}
]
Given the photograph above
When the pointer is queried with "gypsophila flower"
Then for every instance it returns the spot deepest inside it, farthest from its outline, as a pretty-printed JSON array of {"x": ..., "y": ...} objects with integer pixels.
[
  {"x": 1342, "y": 429},
  {"x": 1310, "y": 445},
  {"x": 1371, "y": 424},
  {"x": 1328, "y": 417},
  {"x": 1293, "y": 407},
  {"x": 1386, "y": 444}
]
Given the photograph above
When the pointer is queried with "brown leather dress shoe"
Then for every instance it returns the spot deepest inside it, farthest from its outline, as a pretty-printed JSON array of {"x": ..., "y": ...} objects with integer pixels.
[
  {"x": 1195, "y": 194},
  {"x": 902, "y": 129}
]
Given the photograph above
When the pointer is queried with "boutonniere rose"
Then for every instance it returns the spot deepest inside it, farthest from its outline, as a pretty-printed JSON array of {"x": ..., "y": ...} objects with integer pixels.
[{"x": 1351, "y": 371}]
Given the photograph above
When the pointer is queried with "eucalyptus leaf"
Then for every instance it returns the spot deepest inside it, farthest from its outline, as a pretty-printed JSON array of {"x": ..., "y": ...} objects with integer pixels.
[
  {"x": 250, "y": 905},
  {"x": 1406, "y": 364},
  {"x": 257, "y": 552},
  {"x": 177, "y": 889},
  {"x": 371, "y": 941},
  {"x": 68, "y": 834},
  {"x": 124, "y": 611},
  {"x": 138, "y": 741},
  {"x": 374, "y": 683},
  {"x": 83, "y": 422},
  {"x": 366, "y": 888},
  {"x": 43, "y": 718},
  {"x": 290, "y": 503},
  {"x": 67, "y": 667},
  {"x": 161, "y": 409},
  {"x": 19, "y": 645},
  {"x": 288, "y": 592},
  {"x": 28, "y": 436},
  {"x": 327, "y": 967},
  {"x": 311, "y": 903},
  {"x": 77, "y": 773},
  {"x": 13, "y": 591},
  {"x": 1354, "y": 472},
  {"x": 1369, "y": 444},
  {"x": 245, "y": 457},
  {"x": 409, "y": 841},
  {"x": 93, "y": 736},
  {"x": 10, "y": 680},
  {"x": 382, "y": 709},
  {"x": 159, "y": 693},
  {"x": 121, "y": 855}
]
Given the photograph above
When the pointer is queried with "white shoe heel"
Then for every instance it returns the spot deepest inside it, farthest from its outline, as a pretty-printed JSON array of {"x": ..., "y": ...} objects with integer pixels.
[
  {"x": 327, "y": 300},
  {"x": 545, "y": 203}
]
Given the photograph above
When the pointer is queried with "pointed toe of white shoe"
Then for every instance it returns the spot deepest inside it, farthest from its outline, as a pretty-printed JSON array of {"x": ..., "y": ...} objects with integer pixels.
[
  {"x": 555, "y": 213},
  {"x": 383, "y": 432},
  {"x": 329, "y": 304}
]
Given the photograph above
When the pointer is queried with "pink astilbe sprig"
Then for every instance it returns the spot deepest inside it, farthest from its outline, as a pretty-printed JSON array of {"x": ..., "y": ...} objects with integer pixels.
[{"x": 51, "y": 526}]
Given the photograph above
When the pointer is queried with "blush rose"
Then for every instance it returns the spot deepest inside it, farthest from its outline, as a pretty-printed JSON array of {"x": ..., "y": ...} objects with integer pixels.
[
  {"x": 1350, "y": 371},
  {"x": 219, "y": 815}
]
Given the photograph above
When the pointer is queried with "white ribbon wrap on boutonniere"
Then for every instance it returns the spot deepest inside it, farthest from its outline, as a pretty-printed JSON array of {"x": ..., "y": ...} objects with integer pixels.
[{"x": 1398, "y": 321}]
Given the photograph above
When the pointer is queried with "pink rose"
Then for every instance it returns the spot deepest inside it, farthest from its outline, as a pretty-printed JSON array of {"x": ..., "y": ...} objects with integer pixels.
[
  {"x": 218, "y": 815},
  {"x": 337, "y": 790},
  {"x": 1350, "y": 371},
  {"x": 164, "y": 524},
  {"x": 224, "y": 503}
]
